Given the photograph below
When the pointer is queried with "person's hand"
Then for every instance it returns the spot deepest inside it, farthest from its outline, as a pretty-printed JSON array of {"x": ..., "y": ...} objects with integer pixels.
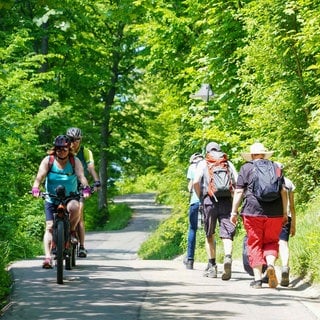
[
  {"x": 97, "y": 185},
  {"x": 234, "y": 218},
  {"x": 86, "y": 192},
  {"x": 285, "y": 219},
  {"x": 35, "y": 192}
]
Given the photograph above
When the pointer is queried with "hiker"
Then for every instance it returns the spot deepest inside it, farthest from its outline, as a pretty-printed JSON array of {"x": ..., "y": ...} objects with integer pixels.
[
  {"x": 65, "y": 170},
  {"x": 262, "y": 216},
  {"x": 287, "y": 230},
  {"x": 216, "y": 200},
  {"x": 193, "y": 211},
  {"x": 86, "y": 158}
]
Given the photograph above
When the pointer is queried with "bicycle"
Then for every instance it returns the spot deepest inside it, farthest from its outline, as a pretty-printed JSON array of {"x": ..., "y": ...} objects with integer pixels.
[{"x": 62, "y": 246}]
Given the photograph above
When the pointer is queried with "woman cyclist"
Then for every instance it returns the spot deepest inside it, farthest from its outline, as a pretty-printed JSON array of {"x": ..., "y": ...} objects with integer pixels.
[{"x": 60, "y": 167}]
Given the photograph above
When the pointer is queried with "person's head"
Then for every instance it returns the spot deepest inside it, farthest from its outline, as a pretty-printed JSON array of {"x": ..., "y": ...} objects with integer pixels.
[
  {"x": 195, "y": 158},
  {"x": 257, "y": 151},
  {"x": 75, "y": 136},
  {"x": 61, "y": 146},
  {"x": 213, "y": 146}
]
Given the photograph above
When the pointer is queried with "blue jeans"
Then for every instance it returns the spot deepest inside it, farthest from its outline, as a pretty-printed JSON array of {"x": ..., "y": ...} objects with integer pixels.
[{"x": 193, "y": 226}]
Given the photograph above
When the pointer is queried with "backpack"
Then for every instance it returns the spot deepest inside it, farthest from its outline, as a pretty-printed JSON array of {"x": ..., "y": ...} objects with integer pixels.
[
  {"x": 266, "y": 180},
  {"x": 217, "y": 181},
  {"x": 51, "y": 160}
]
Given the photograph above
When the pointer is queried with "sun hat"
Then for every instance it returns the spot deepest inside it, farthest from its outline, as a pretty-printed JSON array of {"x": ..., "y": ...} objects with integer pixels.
[
  {"x": 257, "y": 148},
  {"x": 212, "y": 146}
]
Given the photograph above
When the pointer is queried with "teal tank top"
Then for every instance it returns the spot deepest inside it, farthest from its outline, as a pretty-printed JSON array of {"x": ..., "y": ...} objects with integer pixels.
[{"x": 65, "y": 177}]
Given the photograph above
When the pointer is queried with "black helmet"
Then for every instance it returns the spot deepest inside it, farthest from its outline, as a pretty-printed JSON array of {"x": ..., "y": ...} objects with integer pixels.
[
  {"x": 61, "y": 141},
  {"x": 74, "y": 133},
  {"x": 196, "y": 156}
]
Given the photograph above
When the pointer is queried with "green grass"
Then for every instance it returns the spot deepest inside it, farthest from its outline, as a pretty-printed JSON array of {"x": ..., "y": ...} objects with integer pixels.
[{"x": 119, "y": 217}]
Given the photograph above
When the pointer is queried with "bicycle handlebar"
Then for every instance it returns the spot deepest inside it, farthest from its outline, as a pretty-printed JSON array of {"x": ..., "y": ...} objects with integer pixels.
[{"x": 72, "y": 196}]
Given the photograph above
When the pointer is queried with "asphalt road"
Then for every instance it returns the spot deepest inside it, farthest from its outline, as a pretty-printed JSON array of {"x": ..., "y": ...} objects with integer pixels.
[{"x": 112, "y": 283}]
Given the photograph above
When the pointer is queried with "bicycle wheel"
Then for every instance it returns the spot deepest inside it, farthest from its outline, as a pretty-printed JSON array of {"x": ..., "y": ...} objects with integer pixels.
[{"x": 60, "y": 250}]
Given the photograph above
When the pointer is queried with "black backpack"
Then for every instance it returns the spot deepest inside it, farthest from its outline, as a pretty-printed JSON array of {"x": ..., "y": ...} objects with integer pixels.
[{"x": 266, "y": 180}]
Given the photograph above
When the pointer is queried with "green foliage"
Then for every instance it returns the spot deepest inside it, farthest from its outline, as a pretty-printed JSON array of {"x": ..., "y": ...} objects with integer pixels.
[
  {"x": 165, "y": 242},
  {"x": 119, "y": 216},
  {"x": 5, "y": 279},
  {"x": 123, "y": 72},
  {"x": 304, "y": 245}
]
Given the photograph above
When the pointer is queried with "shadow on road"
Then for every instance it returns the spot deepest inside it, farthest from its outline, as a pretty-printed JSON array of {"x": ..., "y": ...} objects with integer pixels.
[{"x": 112, "y": 283}]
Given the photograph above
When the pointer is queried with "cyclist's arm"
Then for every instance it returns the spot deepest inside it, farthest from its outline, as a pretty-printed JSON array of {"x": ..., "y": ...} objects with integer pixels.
[
  {"x": 42, "y": 172},
  {"x": 88, "y": 156},
  {"x": 93, "y": 172},
  {"x": 80, "y": 172}
]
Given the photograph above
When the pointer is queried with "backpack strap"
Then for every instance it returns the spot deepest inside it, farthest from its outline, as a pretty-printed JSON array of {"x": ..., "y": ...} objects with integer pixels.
[
  {"x": 50, "y": 163},
  {"x": 72, "y": 161},
  {"x": 52, "y": 157}
]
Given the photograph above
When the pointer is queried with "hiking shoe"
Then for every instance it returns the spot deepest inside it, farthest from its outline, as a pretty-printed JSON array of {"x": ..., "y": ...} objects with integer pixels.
[
  {"x": 284, "y": 277},
  {"x": 211, "y": 271},
  {"x": 271, "y": 273},
  {"x": 82, "y": 252},
  {"x": 47, "y": 263},
  {"x": 188, "y": 263},
  {"x": 256, "y": 284},
  {"x": 226, "y": 275}
]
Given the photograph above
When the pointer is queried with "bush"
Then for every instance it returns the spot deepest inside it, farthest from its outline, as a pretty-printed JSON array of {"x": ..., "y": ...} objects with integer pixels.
[{"x": 304, "y": 246}]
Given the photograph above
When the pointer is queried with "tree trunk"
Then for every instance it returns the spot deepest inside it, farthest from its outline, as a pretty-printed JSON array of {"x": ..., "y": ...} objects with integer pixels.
[{"x": 105, "y": 134}]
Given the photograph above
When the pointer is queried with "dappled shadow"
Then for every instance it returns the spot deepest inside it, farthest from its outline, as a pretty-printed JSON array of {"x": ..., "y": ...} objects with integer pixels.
[
  {"x": 121, "y": 292},
  {"x": 113, "y": 284}
]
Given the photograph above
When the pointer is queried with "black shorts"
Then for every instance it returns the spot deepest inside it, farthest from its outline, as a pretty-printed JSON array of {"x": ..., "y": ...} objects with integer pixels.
[
  {"x": 285, "y": 231},
  {"x": 50, "y": 209},
  {"x": 218, "y": 211}
]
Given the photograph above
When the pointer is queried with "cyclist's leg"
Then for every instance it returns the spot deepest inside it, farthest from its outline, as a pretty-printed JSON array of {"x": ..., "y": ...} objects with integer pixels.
[
  {"x": 47, "y": 238},
  {"x": 81, "y": 225},
  {"x": 73, "y": 208}
]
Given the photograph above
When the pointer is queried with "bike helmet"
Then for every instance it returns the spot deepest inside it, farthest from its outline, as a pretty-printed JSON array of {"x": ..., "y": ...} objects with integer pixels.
[
  {"x": 74, "y": 133},
  {"x": 61, "y": 141},
  {"x": 195, "y": 156}
]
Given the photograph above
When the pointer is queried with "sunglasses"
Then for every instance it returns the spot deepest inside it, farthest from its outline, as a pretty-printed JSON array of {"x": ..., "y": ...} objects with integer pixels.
[
  {"x": 75, "y": 139},
  {"x": 62, "y": 148}
]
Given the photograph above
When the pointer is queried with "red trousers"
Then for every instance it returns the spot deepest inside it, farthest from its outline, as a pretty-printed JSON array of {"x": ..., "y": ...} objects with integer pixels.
[{"x": 263, "y": 238}]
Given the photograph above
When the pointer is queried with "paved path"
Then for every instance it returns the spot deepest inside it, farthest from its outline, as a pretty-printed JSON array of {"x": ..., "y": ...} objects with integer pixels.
[{"x": 112, "y": 283}]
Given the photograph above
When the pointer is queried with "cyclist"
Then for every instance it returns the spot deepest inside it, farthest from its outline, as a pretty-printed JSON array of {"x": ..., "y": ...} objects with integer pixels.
[
  {"x": 86, "y": 158},
  {"x": 65, "y": 170}
]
